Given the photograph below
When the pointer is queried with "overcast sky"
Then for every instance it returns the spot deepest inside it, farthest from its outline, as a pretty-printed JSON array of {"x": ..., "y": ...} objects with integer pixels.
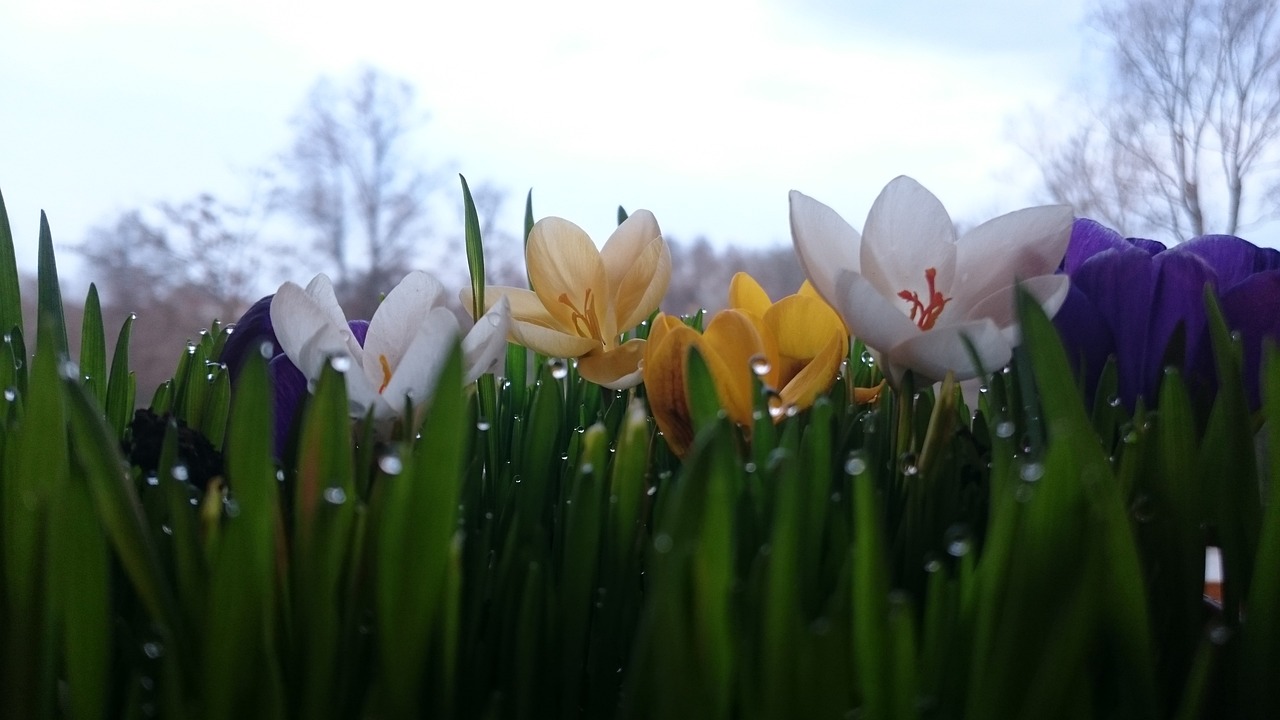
[{"x": 705, "y": 112}]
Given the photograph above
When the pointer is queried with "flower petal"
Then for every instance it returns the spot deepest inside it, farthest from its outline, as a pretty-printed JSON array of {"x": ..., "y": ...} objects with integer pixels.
[
  {"x": 825, "y": 244},
  {"x": 638, "y": 265},
  {"x": 524, "y": 305},
  {"x": 616, "y": 369},
  {"x": 746, "y": 294},
  {"x": 664, "y": 382},
  {"x": 731, "y": 337},
  {"x": 290, "y": 387},
  {"x": 395, "y": 324},
  {"x": 1048, "y": 290},
  {"x": 1243, "y": 306},
  {"x": 485, "y": 345},
  {"x": 1121, "y": 284},
  {"x": 320, "y": 289},
  {"x": 567, "y": 274},
  {"x": 643, "y": 285},
  {"x": 817, "y": 375},
  {"x": 907, "y": 231},
  {"x": 547, "y": 341},
  {"x": 869, "y": 315},
  {"x": 1232, "y": 258},
  {"x": 931, "y": 354},
  {"x": 1017, "y": 246},
  {"x": 804, "y": 326},
  {"x": 1088, "y": 238},
  {"x": 419, "y": 367},
  {"x": 306, "y": 331},
  {"x": 247, "y": 335}
]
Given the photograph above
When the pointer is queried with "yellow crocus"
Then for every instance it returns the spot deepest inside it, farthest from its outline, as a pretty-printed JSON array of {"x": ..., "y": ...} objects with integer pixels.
[
  {"x": 795, "y": 346},
  {"x": 584, "y": 298}
]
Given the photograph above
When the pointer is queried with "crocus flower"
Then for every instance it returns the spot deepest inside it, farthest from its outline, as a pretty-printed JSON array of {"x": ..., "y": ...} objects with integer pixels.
[
  {"x": 396, "y": 355},
  {"x": 917, "y": 296},
  {"x": 1143, "y": 304},
  {"x": 584, "y": 298},
  {"x": 795, "y": 346}
]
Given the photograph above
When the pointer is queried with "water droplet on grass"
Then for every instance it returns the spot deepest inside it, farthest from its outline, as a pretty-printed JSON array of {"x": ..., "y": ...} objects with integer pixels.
[
  {"x": 390, "y": 464},
  {"x": 341, "y": 363},
  {"x": 855, "y": 464},
  {"x": 958, "y": 541},
  {"x": 559, "y": 368},
  {"x": 760, "y": 365},
  {"x": 180, "y": 473}
]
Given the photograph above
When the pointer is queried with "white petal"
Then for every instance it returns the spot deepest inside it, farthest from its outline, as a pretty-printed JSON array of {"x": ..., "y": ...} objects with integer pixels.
[
  {"x": 1048, "y": 290},
  {"x": 321, "y": 291},
  {"x": 419, "y": 368},
  {"x": 825, "y": 244},
  {"x": 397, "y": 319},
  {"x": 908, "y": 231},
  {"x": 932, "y": 353},
  {"x": 485, "y": 346},
  {"x": 1017, "y": 246},
  {"x": 306, "y": 330},
  {"x": 870, "y": 316}
]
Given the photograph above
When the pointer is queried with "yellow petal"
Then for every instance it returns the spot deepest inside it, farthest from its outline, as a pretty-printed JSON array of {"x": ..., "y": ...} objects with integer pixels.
[
  {"x": 806, "y": 289},
  {"x": 746, "y": 294},
  {"x": 568, "y": 277},
  {"x": 862, "y": 396},
  {"x": 525, "y": 305},
  {"x": 803, "y": 326},
  {"x": 628, "y": 242},
  {"x": 616, "y": 369},
  {"x": 817, "y": 376},
  {"x": 642, "y": 285},
  {"x": 549, "y": 341},
  {"x": 732, "y": 339},
  {"x": 664, "y": 382}
]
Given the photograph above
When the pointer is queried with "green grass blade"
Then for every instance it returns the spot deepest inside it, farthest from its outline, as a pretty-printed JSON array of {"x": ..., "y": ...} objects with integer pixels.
[
  {"x": 93, "y": 347},
  {"x": 49, "y": 296},
  {"x": 475, "y": 250},
  {"x": 120, "y": 396},
  {"x": 10, "y": 290},
  {"x": 1260, "y": 654},
  {"x": 415, "y": 529}
]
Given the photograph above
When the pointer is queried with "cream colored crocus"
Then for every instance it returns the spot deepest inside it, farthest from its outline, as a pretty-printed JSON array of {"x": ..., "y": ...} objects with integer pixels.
[{"x": 583, "y": 299}]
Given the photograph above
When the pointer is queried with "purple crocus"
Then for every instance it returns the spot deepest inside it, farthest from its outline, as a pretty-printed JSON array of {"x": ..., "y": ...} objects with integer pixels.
[
  {"x": 253, "y": 332},
  {"x": 1143, "y": 304}
]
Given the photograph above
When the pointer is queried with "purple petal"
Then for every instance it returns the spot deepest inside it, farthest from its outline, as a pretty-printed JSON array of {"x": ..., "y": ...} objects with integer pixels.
[
  {"x": 290, "y": 386},
  {"x": 1251, "y": 310},
  {"x": 359, "y": 329},
  {"x": 1088, "y": 238},
  {"x": 250, "y": 331},
  {"x": 1085, "y": 336},
  {"x": 1232, "y": 258},
  {"x": 1151, "y": 247},
  {"x": 1179, "y": 301},
  {"x": 1121, "y": 284}
]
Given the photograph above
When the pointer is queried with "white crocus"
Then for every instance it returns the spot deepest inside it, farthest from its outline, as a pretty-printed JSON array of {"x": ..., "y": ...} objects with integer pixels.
[
  {"x": 915, "y": 294},
  {"x": 404, "y": 350}
]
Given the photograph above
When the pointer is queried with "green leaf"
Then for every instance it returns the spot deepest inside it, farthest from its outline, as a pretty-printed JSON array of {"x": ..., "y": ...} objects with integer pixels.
[
  {"x": 1260, "y": 654},
  {"x": 93, "y": 347},
  {"x": 49, "y": 296},
  {"x": 415, "y": 525},
  {"x": 10, "y": 290},
  {"x": 475, "y": 250},
  {"x": 120, "y": 392}
]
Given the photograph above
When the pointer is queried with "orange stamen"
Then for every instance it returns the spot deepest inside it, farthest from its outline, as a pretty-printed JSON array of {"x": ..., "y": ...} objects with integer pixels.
[
  {"x": 386, "y": 373},
  {"x": 586, "y": 324},
  {"x": 926, "y": 316}
]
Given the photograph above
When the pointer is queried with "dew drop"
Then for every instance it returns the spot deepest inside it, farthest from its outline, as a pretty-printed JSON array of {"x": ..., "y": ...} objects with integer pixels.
[
  {"x": 335, "y": 495},
  {"x": 1219, "y": 634},
  {"x": 10, "y": 394},
  {"x": 390, "y": 464},
  {"x": 152, "y": 479},
  {"x": 231, "y": 507},
  {"x": 69, "y": 370},
  {"x": 266, "y": 350},
  {"x": 482, "y": 425},
  {"x": 907, "y": 464},
  {"x": 153, "y": 650},
  {"x": 958, "y": 540},
  {"x": 867, "y": 358},
  {"x": 587, "y": 468},
  {"x": 760, "y": 365},
  {"x": 1004, "y": 429},
  {"x": 180, "y": 473},
  {"x": 1114, "y": 401},
  {"x": 932, "y": 564},
  {"x": 559, "y": 368},
  {"x": 855, "y": 464},
  {"x": 749, "y": 467},
  {"x": 341, "y": 363},
  {"x": 663, "y": 543},
  {"x": 1031, "y": 472},
  {"x": 653, "y": 490}
]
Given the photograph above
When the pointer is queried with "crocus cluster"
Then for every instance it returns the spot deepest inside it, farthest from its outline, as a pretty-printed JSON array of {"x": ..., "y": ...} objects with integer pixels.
[
  {"x": 394, "y": 357},
  {"x": 920, "y": 298},
  {"x": 1143, "y": 303},
  {"x": 794, "y": 346}
]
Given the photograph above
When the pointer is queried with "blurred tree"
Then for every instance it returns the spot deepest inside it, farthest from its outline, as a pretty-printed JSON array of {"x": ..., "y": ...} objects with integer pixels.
[
  {"x": 700, "y": 274},
  {"x": 1185, "y": 144},
  {"x": 351, "y": 179},
  {"x": 177, "y": 267}
]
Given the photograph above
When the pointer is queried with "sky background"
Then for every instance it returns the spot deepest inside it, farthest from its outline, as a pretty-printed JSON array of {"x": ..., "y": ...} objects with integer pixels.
[{"x": 705, "y": 112}]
